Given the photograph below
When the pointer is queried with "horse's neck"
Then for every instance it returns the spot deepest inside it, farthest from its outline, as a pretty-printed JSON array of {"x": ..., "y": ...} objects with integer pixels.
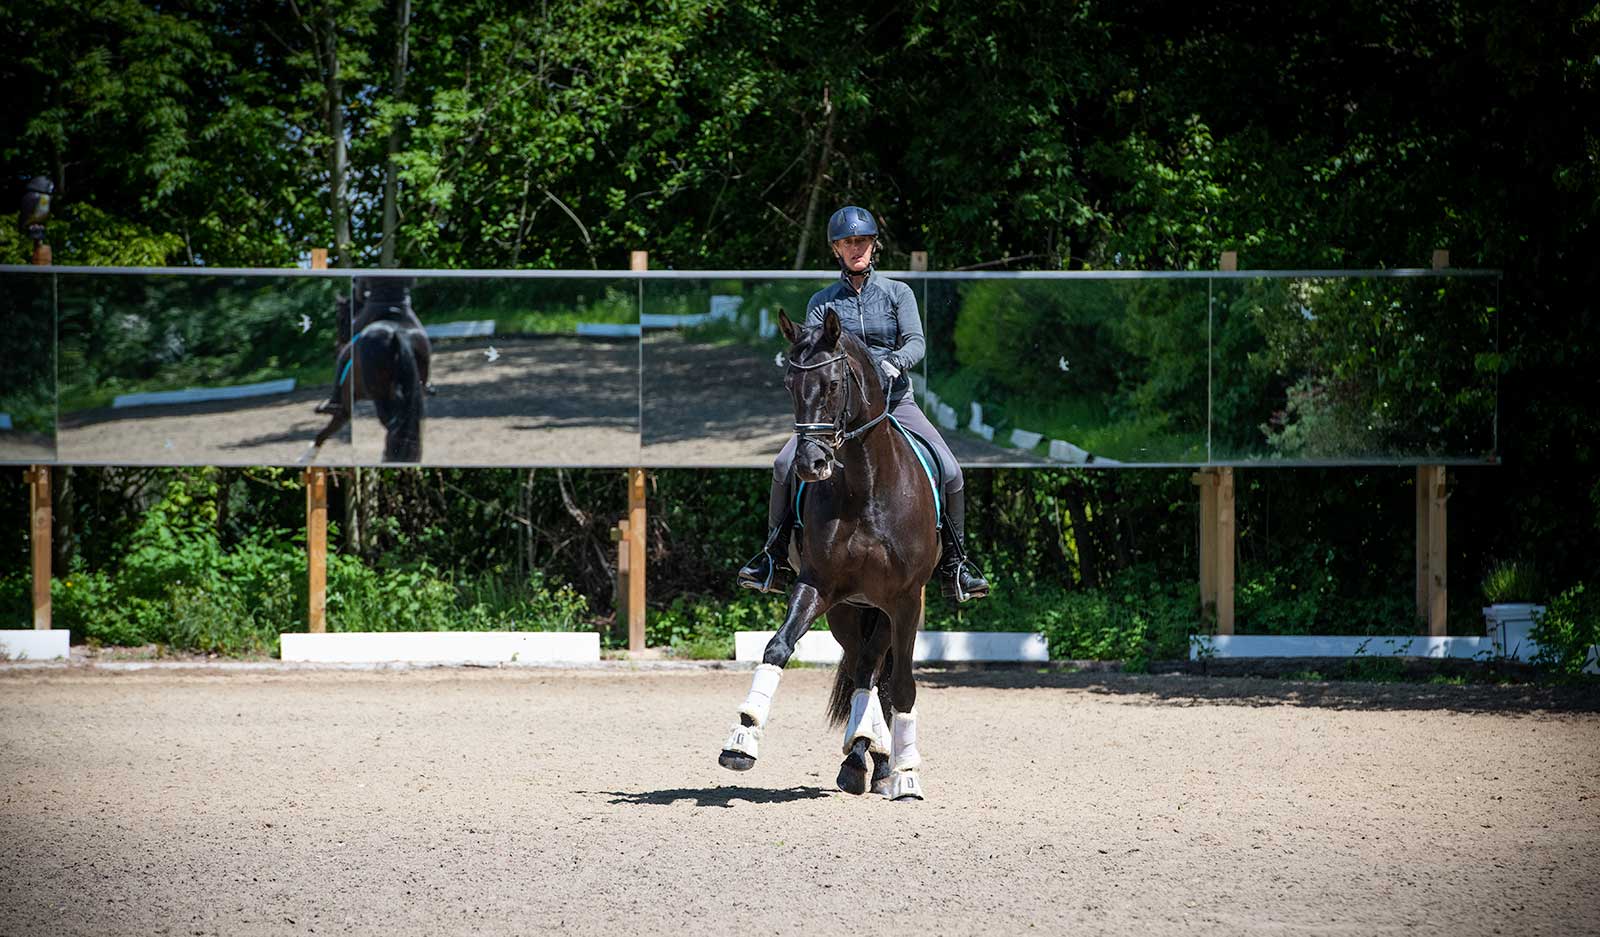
[{"x": 870, "y": 464}]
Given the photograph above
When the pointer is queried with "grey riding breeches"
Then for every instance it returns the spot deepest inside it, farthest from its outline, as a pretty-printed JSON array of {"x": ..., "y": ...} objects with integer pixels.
[{"x": 906, "y": 411}]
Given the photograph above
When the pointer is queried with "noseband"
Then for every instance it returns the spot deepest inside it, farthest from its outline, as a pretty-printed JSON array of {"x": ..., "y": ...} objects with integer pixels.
[{"x": 831, "y": 436}]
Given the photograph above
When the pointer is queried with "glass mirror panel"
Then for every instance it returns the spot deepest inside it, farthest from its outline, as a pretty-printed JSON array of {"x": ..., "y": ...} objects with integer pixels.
[
  {"x": 1353, "y": 369},
  {"x": 1067, "y": 371},
  {"x": 28, "y": 376},
  {"x": 713, "y": 393},
  {"x": 196, "y": 369},
  {"x": 518, "y": 371}
]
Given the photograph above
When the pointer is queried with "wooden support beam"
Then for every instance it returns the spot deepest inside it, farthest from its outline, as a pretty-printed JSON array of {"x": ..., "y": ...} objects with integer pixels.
[
  {"x": 1441, "y": 259},
  {"x": 639, "y": 260},
  {"x": 319, "y": 258},
  {"x": 1226, "y": 546},
  {"x": 919, "y": 261},
  {"x": 38, "y": 478},
  {"x": 1217, "y": 545},
  {"x": 637, "y": 530},
  {"x": 316, "y": 479},
  {"x": 1229, "y": 261},
  {"x": 1432, "y": 556}
]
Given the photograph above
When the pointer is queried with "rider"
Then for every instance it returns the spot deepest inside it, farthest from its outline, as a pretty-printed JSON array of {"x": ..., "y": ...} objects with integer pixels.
[{"x": 883, "y": 314}]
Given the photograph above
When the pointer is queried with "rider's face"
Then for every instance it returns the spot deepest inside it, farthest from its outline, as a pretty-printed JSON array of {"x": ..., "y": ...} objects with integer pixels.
[{"x": 856, "y": 252}]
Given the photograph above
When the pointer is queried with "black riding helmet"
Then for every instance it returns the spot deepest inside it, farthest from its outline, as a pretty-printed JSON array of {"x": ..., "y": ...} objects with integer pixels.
[{"x": 853, "y": 221}]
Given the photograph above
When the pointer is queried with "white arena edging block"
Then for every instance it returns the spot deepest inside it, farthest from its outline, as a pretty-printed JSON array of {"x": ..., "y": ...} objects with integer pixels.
[
  {"x": 1063, "y": 451},
  {"x": 608, "y": 329},
  {"x": 819, "y": 647},
  {"x": 476, "y": 328},
  {"x": 54, "y": 644},
  {"x": 1024, "y": 439},
  {"x": 660, "y": 320},
  {"x": 203, "y": 394},
  {"x": 1311, "y": 645},
  {"x": 443, "y": 647}
]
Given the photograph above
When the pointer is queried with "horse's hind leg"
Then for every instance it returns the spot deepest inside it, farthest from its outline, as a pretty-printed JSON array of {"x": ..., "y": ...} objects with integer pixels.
[
  {"x": 905, "y": 782},
  {"x": 866, "y": 734},
  {"x": 739, "y": 752}
]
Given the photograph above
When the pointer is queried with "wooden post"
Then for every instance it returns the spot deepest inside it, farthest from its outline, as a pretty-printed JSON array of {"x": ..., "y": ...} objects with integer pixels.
[
  {"x": 316, "y": 479},
  {"x": 319, "y": 258},
  {"x": 1217, "y": 540},
  {"x": 1432, "y": 594},
  {"x": 619, "y": 536},
  {"x": 639, "y": 260},
  {"x": 1229, "y": 261},
  {"x": 1226, "y": 540},
  {"x": 636, "y": 563},
  {"x": 919, "y": 261},
  {"x": 1441, "y": 259},
  {"x": 38, "y": 478}
]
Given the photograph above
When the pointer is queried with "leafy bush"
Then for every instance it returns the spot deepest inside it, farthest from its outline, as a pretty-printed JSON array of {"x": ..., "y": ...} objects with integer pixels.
[
  {"x": 702, "y": 628},
  {"x": 1568, "y": 629}
]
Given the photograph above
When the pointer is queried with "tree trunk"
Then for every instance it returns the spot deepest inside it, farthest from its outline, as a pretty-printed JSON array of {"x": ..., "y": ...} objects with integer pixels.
[
  {"x": 338, "y": 155},
  {"x": 391, "y": 181},
  {"x": 816, "y": 183}
]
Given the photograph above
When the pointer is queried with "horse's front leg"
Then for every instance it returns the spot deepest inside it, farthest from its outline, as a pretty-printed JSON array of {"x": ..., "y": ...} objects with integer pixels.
[
  {"x": 905, "y": 783},
  {"x": 739, "y": 753}
]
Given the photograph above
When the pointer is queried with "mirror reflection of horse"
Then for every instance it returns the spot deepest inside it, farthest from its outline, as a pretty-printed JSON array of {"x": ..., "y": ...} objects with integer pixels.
[
  {"x": 867, "y": 544},
  {"x": 384, "y": 358}
]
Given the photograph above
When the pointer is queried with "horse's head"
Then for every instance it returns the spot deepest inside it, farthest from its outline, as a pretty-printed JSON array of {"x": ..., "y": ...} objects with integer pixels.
[{"x": 828, "y": 380}]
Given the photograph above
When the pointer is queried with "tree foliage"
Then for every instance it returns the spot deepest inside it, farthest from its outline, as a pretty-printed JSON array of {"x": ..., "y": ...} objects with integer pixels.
[{"x": 1138, "y": 135}]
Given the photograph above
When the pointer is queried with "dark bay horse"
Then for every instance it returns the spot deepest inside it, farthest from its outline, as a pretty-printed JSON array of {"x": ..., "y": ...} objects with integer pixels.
[
  {"x": 867, "y": 544},
  {"x": 385, "y": 360}
]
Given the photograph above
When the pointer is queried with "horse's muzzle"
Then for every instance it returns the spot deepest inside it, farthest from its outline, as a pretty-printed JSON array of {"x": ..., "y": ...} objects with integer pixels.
[{"x": 813, "y": 461}]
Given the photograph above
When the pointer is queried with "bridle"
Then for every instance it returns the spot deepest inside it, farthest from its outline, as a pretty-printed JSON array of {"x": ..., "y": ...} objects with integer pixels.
[{"x": 832, "y": 436}]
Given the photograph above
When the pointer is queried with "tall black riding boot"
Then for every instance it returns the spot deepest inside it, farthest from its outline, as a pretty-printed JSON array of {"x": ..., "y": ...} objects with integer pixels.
[
  {"x": 962, "y": 581},
  {"x": 769, "y": 570}
]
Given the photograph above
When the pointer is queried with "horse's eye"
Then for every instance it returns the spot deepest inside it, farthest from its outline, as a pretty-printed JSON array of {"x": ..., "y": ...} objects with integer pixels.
[{"x": 833, "y": 385}]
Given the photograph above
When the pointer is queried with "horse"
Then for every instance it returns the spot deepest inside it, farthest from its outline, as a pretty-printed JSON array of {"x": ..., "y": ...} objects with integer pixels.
[
  {"x": 866, "y": 544},
  {"x": 385, "y": 360}
]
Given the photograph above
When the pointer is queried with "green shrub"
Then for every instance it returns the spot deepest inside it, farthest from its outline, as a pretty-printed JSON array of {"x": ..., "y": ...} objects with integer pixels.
[
  {"x": 1569, "y": 627},
  {"x": 702, "y": 628}
]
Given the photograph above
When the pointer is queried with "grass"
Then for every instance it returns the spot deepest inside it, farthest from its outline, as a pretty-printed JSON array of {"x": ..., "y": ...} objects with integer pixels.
[{"x": 1081, "y": 421}]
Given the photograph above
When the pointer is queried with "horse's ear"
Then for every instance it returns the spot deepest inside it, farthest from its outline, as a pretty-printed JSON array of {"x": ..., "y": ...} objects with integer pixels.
[
  {"x": 787, "y": 327},
  {"x": 830, "y": 328}
]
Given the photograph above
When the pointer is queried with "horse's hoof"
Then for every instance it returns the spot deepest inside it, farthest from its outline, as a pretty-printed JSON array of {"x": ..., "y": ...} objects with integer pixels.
[
  {"x": 880, "y": 774},
  {"x": 905, "y": 785},
  {"x": 735, "y": 761},
  {"x": 855, "y": 770}
]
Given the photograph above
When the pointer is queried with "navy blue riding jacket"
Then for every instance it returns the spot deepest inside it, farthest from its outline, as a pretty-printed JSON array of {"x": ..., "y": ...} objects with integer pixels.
[{"x": 883, "y": 314}]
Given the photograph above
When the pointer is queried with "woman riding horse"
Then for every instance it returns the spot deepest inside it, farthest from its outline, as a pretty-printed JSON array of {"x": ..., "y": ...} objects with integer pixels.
[{"x": 883, "y": 314}]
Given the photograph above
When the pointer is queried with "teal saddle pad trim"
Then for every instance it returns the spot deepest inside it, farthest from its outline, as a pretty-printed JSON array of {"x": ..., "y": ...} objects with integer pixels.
[
  {"x": 346, "y": 372},
  {"x": 916, "y": 449}
]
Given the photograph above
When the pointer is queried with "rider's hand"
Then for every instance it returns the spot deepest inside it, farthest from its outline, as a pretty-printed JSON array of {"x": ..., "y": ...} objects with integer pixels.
[{"x": 890, "y": 370}]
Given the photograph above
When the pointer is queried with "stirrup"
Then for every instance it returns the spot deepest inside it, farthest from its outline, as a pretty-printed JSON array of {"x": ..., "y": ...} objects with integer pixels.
[
  {"x": 952, "y": 584},
  {"x": 775, "y": 579}
]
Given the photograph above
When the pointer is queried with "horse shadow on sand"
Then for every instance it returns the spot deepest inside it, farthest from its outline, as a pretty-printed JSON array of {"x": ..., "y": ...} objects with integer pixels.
[{"x": 720, "y": 796}]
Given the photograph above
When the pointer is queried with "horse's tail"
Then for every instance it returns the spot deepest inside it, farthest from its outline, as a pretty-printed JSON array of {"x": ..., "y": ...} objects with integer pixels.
[
  {"x": 403, "y": 441},
  {"x": 843, "y": 680}
]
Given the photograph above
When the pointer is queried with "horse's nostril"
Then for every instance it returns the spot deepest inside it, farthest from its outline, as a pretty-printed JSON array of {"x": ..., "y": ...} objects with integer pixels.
[{"x": 818, "y": 465}]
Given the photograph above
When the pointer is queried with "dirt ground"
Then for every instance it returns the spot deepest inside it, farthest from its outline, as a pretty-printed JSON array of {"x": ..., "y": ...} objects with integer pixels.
[
  {"x": 542, "y": 401},
  {"x": 519, "y": 801}
]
